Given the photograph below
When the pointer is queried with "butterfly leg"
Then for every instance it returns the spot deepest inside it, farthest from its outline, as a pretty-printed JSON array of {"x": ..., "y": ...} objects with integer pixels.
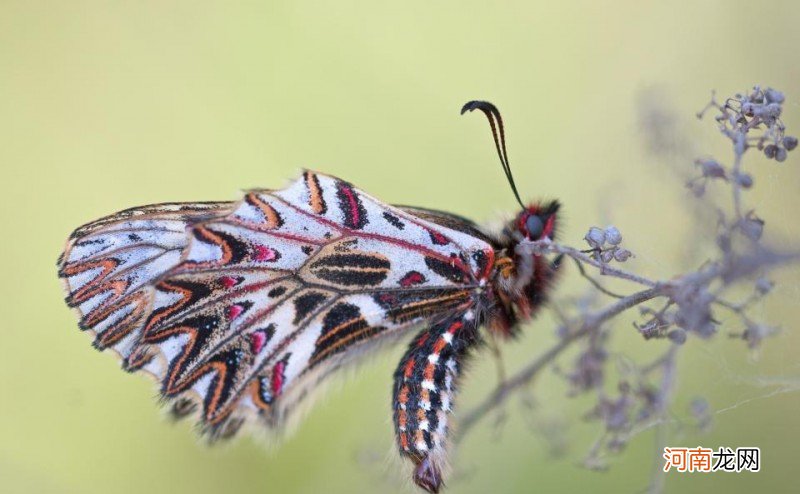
[{"x": 424, "y": 388}]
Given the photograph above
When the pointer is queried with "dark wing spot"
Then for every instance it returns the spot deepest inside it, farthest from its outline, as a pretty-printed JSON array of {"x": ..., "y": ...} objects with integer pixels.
[
  {"x": 351, "y": 277},
  {"x": 306, "y": 303},
  {"x": 393, "y": 220},
  {"x": 342, "y": 327},
  {"x": 352, "y": 268},
  {"x": 339, "y": 314},
  {"x": 446, "y": 269},
  {"x": 277, "y": 291},
  {"x": 94, "y": 241},
  {"x": 352, "y": 260}
]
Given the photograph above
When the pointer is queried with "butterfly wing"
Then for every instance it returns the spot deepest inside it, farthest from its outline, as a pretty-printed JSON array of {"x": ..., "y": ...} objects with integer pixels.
[
  {"x": 290, "y": 285},
  {"x": 108, "y": 266},
  {"x": 449, "y": 220}
]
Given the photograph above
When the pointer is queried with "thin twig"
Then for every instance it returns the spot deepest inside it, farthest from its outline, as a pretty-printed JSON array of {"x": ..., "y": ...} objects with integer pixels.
[
  {"x": 526, "y": 374},
  {"x": 594, "y": 282},
  {"x": 668, "y": 384},
  {"x": 605, "y": 268}
]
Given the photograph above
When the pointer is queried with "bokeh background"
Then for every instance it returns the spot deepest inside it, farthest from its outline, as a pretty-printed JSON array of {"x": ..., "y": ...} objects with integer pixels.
[{"x": 106, "y": 105}]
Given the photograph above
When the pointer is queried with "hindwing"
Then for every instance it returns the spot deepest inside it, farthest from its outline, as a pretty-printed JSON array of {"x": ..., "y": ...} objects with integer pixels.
[{"x": 109, "y": 265}]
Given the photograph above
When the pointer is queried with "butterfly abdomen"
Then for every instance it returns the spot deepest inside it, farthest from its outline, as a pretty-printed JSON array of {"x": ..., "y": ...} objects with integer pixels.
[{"x": 424, "y": 392}]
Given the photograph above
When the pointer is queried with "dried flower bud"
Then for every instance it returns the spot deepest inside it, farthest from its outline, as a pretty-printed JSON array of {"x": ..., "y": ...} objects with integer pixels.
[
  {"x": 694, "y": 309},
  {"x": 622, "y": 255},
  {"x": 596, "y": 238},
  {"x": 756, "y": 333},
  {"x": 773, "y": 110},
  {"x": 701, "y": 410},
  {"x": 706, "y": 330},
  {"x": 616, "y": 444},
  {"x": 780, "y": 154},
  {"x": 770, "y": 150},
  {"x": 745, "y": 180},
  {"x": 699, "y": 406},
  {"x": 752, "y": 227},
  {"x": 677, "y": 336},
  {"x": 617, "y": 413},
  {"x": 711, "y": 168},
  {"x": 749, "y": 108},
  {"x": 606, "y": 256},
  {"x": 698, "y": 188},
  {"x": 613, "y": 236},
  {"x": 589, "y": 369},
  {"x": 774, "y": 96},
  {"x": 790, "y": 142},
  {"x": 763, "y": 286}
]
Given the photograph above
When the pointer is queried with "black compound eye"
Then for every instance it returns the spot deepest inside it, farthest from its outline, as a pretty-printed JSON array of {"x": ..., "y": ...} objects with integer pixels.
[{"x": 535, "y": 226}]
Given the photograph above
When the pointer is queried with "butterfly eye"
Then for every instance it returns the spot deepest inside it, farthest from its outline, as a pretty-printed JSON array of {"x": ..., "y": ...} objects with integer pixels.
[{"x": 535, "y": 226}]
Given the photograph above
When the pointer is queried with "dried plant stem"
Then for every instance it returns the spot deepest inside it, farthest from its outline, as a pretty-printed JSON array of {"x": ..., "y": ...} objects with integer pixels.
[
  {"x": 605, "y": 269},
  {"x": 590, "y": 323},
  {"x": 737, "y": 169},
  {"x": 668, "y": 381}
]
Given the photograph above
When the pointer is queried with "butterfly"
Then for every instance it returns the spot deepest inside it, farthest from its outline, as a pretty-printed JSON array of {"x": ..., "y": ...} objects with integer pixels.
[{"x": 241, "y": 309}]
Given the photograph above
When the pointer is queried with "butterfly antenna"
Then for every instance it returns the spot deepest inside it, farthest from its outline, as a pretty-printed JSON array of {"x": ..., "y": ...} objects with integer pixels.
[{"x": 496, "y": 123}]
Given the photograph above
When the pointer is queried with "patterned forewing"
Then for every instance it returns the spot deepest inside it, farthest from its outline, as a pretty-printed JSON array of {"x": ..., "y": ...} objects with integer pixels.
[{"x": 288, "y": 286}]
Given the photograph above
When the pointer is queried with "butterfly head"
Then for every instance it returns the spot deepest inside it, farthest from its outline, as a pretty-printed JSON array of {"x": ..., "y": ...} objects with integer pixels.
[
  {"x": 538, "y": 221},
  {"x": 524, "y": 275}
]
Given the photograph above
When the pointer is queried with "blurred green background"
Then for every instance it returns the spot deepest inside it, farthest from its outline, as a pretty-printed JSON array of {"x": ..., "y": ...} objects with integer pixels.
[{"x": 106, "y": 105}]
